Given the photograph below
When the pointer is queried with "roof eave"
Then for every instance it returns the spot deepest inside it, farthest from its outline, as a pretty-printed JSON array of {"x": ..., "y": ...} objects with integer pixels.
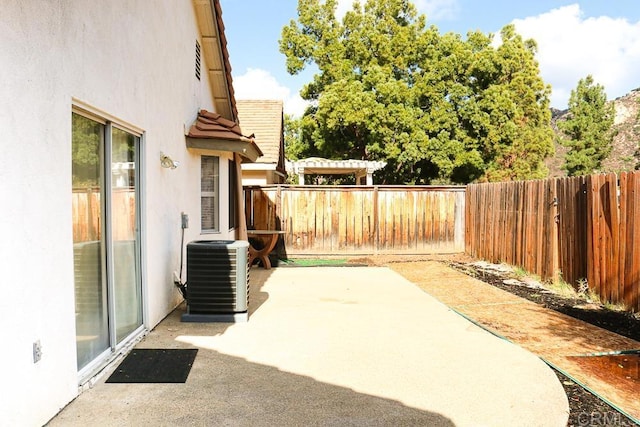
[
  {"x": 246, "y": 148},
  {"x": 216, "y": 55}
]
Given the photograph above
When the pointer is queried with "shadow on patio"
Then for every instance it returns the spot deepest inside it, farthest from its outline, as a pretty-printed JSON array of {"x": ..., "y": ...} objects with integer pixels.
[{"x": 227, "y": 390}]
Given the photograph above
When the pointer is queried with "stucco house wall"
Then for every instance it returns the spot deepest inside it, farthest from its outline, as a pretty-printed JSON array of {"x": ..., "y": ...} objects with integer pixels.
[
  {"x": 130, "y": 61},
  {"x": 259, "y": 177}
]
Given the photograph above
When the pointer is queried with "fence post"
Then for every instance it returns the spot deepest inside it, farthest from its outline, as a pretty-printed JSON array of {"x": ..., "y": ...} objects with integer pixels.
[
  {"x": 553, "y": 230},
  {"x": 376, "y": 233},
  {"x": 278, "y": 212},
  {"x": 593, "y": 270},
  {"x": 459, "y": 225}
]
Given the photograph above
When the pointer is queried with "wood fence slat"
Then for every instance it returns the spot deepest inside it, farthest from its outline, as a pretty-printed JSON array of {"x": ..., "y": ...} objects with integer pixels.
[
  {"x": 518, "y": 238},
  {"x": 603, "y": 235},
  {"x": 485, "y": 226},
  {"x": 600, "y": 234},
  {"x": 550, "y": 233},
  {"x": 501, "y": 224},
  {"x": 563, "y": 238},
  {"x": 468, "y": 238},
  {"x": 592, "y": 236},
  {"x": 495, "y": 221},
  {"x": 478, "y": 224},
  {"x": 510, "y": 231},
  {"x": 613, "y": 275},
  {"x": 529, "y": 234},
  {"x": 632, "y": 291},
  {"x": 583, "y": 218},
  {"x": 622, "y": 242},
  {"x": 627, "y": 196},
  {"x": 513, "y": 223},
  {"x": 540, "y": 213},
  {"x": 575, "y": 227},
  {"x": 576, "y": 192},
  {"x": 568, "y": 203}
]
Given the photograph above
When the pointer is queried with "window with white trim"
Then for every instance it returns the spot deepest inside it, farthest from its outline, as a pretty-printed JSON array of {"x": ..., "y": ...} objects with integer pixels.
[{"x": 209, "y": 193}]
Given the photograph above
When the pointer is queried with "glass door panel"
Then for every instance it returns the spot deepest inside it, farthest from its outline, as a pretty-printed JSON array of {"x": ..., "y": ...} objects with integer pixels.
[
  {"x": 124, "y": 233},
  {"x": 92, "y": 329}
]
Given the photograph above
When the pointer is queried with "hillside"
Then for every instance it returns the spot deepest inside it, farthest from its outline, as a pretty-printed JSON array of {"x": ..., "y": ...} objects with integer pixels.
[{"x": 625, "y": 154}]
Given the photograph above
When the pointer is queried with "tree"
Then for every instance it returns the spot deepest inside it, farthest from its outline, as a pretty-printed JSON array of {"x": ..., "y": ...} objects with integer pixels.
[
  {"x": 294, "y": 146},
  {"x": 519, "y": 134},
  {"x": 435, "y": 107},
  {"x": 588, "y": 128},
  {"x": 85, "y": 146},
  {"x": 361, "y": 106}
]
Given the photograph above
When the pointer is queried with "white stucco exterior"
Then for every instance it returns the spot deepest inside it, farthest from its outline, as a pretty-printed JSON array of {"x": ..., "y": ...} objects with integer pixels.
[
  {"x": 127, "y": 61},
  {"x": 259, "y": 174}
]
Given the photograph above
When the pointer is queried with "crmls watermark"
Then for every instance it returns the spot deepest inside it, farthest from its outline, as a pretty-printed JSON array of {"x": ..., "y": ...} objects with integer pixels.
[{"x": 599, "y": 419}]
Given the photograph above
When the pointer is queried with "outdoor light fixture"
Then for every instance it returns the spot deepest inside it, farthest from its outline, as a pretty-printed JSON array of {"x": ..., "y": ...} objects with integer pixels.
[{"x": 167, "y": 162}]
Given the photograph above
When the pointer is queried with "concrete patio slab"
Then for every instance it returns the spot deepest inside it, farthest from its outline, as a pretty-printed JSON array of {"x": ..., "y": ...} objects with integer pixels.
[
  {"x": 554, "y": 337},
  {"x": 335, "y": 346}
]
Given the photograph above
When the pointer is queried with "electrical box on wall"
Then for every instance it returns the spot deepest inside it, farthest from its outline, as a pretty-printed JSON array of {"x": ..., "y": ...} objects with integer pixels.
[
  {"x": 185, "y": 220},
  {"x": 37, "y": 351}
]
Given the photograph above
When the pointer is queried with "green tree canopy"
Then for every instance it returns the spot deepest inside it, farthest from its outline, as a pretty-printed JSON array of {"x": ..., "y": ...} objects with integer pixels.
[
  {"x": 86, "y": 145},
  {"x": 294, "y": 146},
  {"x": 435, "y": 107},
  {"x": 588, "y": 128}
]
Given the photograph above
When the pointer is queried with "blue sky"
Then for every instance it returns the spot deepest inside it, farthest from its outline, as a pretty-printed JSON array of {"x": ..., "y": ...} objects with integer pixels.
[{"x": 575, "y": 38}]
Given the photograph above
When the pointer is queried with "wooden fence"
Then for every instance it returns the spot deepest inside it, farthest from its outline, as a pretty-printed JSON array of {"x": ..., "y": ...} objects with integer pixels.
[
  {"x": 359, "y": 219},
  {"x": 581, "y": 228},
  {"x": 87, "y": 214}
]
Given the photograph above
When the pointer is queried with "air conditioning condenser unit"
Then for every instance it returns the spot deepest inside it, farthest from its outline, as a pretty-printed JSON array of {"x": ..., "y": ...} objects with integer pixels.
[{"x": 217, "y": 281}]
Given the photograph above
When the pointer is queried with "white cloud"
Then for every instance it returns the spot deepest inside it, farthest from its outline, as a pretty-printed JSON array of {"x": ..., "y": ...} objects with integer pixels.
[
  {"x": 260, "y": 84},
  {"x": 570, "y": 47},
  {"x": 434, "y": 9},
  {"x": 438, "y": 9}
]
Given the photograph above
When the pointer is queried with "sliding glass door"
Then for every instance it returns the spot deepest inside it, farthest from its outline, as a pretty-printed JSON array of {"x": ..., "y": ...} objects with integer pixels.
[
  {"x": 92, "y": 333},
  {"x": 105, "y": 176},
  {"x": 124, "y": 241}
]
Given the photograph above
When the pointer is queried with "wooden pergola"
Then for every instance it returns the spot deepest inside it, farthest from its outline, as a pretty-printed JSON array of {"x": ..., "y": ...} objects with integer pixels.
[{"x": 363, "y": 169}]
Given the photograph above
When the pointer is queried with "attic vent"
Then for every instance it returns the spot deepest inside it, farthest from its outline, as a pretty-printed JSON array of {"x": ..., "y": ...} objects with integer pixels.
[{"x": 197, "y": 60}]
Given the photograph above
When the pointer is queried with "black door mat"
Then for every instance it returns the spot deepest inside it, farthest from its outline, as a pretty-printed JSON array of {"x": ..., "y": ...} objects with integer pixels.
[{"x": 149, "y": 365}]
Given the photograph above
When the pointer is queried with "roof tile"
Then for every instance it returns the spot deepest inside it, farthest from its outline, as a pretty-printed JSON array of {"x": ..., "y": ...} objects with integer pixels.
[
  {"x": 264, "y": 119},
  {"x": 211, "y": 120},
  {"x": 212, "y": 125}
]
